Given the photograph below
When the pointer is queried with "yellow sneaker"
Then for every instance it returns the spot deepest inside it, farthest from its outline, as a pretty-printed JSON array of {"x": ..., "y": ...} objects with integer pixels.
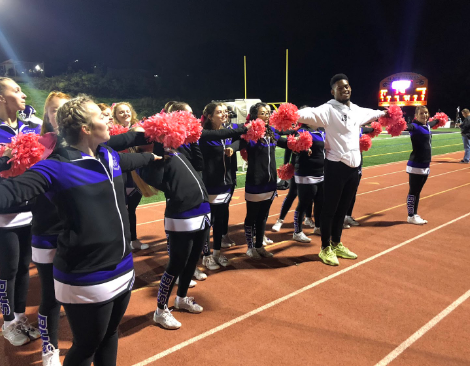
[
  {"x": 343, "y": 252},
  {"x": 328, "y": 256}
]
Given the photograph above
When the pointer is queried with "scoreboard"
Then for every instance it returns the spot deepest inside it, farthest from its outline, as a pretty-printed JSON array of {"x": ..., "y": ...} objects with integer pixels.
[{"x": 403, "y": 89}]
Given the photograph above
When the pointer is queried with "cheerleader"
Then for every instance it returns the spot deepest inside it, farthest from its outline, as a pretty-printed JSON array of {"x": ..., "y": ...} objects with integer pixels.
[
  {"x": 261, "y": 182},
  {"x": 93, "y": 269},
  {"x": 46, "y": 227},
  {"x": 341, "y": 120},
  {"x": 419, "y": 161},
  {"x": 107, "y": 113},
  {"x": 187, "y": 222},
  {"x": 125, "y": 115},
  {"x": 215, "y": 144},
  {"x": 15, "y": 228},
  {"x": 309, "y": 180}
]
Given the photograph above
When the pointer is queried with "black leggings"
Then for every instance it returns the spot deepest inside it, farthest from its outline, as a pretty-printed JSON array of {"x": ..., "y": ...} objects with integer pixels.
[
  {"x": 339, "y": 187},
  {"x": 133, "y": 201},
  {"x": 49, "y": 309},
  {"x": 185, "y": 249},
  {"x": 15, "y": 257},
  {"x": 308, "y": 194},
  {"x": 353, "y": 202},
  {"x": 94, "y": 328},
  {"x": 416, "y": 186},
  {"x": 291, "y": 196},
  {"x": 219, "y": 218},
  {"x": 255, "y": 222}
]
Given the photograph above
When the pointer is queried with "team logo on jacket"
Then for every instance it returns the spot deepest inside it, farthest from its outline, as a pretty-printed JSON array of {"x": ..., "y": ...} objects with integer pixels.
[
  {"x": 115, "y": 164},
  {"x": 344, "y": 118}
]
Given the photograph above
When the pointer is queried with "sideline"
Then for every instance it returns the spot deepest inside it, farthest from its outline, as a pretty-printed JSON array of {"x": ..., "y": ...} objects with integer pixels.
[{"x": 289, "y": 296}]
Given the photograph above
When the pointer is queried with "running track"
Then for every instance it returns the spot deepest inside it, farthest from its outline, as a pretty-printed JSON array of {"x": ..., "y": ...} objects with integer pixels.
[{"x": 404, "y": 301}]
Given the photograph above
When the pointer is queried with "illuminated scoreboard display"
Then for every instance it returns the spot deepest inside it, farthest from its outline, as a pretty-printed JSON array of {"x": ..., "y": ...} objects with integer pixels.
[{"x": 403, "y": 89}]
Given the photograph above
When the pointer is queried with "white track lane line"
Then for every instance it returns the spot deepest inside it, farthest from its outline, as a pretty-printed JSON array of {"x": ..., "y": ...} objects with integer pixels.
[
  {"x": 359, "y": 194},
  {"x": 423, "y": 330},
  {"x": 287, "y": 297}
]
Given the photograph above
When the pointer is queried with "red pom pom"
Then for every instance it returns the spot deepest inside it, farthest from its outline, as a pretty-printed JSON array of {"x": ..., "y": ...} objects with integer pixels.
[
  {"x": 190, "y": 123},
  {"x": 396, "y": 128},
  {"x": 26, "y": 151},
  {"x": 286, "y": 171},
  {"x": 257, "y": 130},
  {"x": 365, "y": 142},
  {"x": 156, "y": 127},
  {"x": 117, "y": 130},
  {"x": 442, "y": 117},
  {"x": 393, "y": 116},
  {"x": 302, "y": 142},
  {"x": 244, "y": 154},
  {"x": 377, "y": 129},
  {"x": 285, "y": 118}
]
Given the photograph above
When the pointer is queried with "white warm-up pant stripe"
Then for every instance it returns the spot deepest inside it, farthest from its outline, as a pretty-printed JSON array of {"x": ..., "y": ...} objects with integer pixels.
[
  {"x": 219, "y": 198},
  {"x": 70, "y": 294},
  {"x": 16, "y": 219},
  {"x": 413, "y": 170},
  {"x": 308, "y": 179},
  {"x": 190, "y": 224},
  {"x": 258, "y": 197},
  {"x": 43, "y": 256}
]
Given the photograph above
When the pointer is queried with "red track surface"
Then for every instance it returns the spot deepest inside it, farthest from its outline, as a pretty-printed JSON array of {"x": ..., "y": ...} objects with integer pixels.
[{"x": 294, "y": 310}]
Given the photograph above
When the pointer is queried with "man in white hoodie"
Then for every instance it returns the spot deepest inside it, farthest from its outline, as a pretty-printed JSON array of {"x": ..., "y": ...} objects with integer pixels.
[{"x": 341, "y": 120}]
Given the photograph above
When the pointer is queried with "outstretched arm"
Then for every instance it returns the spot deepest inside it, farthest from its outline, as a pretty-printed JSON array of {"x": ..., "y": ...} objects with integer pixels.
[
  {"x": 132, "y": 161},
  {"x": 14, "y": 191},
  {"x": 315, "y": 117},
  {"x": 125, "y": 140}
]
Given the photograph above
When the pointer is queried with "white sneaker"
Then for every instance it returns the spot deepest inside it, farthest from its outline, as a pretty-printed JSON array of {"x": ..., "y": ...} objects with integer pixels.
[
  {"x": 51, "y": 358},
  {"x": 349, "y": 220},
  {"x": 346, "y": 226},
  {"x": 253, "y": 253},
  {"x": 309, "y": 222},
  {"x": 264, "y": 253},
  {"x": 138, "y": 245},
  {"x": 191, "y": 283},
  {"x": 416, "y": 220},
  {"x": 209, "y": 262},
  {"x": 316, "y": 231},
  {"x": 28, "y": 329},
  {"x": 222, "y": 260},
  {"x": 199, "y": 275},
  {"x": 227, "y": 242},
  {"x": 166, "y": 319},
  {"x": 266, "y": 241},
  {"x": 301, "y": 237},
  {"x": 188, "y": 303},
  {"x": 14, "y": 334},
  {"x": 277, "y": 226}
]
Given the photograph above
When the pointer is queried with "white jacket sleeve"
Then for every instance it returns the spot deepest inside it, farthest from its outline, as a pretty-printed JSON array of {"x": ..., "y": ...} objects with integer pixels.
[
  {"x": 315, "y": 117},
  {"x": 369, "y": 115}
]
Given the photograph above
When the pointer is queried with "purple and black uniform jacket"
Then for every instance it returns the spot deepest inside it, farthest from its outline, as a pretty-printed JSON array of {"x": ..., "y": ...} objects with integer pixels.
[{"x": 93, "y": 247}]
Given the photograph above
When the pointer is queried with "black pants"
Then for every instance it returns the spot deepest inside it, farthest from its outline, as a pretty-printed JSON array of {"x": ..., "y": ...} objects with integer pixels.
[
  {"x": 94, "y": 328},
  {"x": 353, "y": 202},
  {"x": 339, "y": 187},
  {"x": 291, "y": 196},
  {"x": 308, "y": 195},
  {"x": 255, "y": 222},
  {"x": 133, "y": 201},
  {"x": 15, "y": 257},
  {"x": 416, "y": 186},
  {"x": 225, "y": 228},
  {"x": 49, "y": 309},
  {"x": 219, "y": 218},
  {"x": 185, "y": 249}
]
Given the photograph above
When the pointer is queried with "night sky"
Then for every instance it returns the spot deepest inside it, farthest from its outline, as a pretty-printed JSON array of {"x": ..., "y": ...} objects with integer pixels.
[{"x": 206, "y": 39}]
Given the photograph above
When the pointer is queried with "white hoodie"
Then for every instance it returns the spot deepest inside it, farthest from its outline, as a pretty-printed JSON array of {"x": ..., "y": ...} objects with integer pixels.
[{"x": 342, "y": 126}]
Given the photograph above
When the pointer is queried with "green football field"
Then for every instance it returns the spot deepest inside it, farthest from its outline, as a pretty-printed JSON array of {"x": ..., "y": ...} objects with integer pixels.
[{"x": 385, "y": 149}]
